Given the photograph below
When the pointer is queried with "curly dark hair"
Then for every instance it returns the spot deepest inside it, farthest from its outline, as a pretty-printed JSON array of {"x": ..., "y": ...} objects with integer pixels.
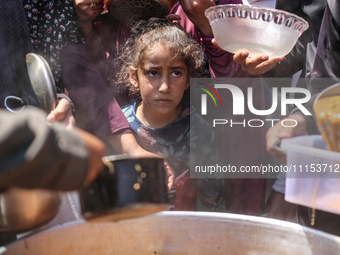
[{"x": 144, "y": 36}]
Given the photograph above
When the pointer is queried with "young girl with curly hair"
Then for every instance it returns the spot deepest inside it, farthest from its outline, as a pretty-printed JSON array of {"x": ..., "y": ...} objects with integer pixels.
[{"x": 156, "y": 65}]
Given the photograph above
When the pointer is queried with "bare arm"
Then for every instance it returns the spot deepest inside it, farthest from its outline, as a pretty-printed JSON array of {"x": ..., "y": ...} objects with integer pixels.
[
  {"x": 280, "y": 132},
  {"x": 96, "y": 150}
]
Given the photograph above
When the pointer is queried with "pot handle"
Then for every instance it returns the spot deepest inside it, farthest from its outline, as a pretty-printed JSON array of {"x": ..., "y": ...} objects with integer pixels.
[{"x": 17, "y": 101}]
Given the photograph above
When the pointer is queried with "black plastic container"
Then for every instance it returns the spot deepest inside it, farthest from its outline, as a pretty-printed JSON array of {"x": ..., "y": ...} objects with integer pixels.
[{"x": 126, "y": 188}]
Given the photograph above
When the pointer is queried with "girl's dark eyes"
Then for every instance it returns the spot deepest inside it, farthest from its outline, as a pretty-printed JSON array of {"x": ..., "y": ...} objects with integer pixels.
[
  {"x": 176, "y": 73},
  {"x": 152, "y": 73},
  {"x": 155, "y": 73}
]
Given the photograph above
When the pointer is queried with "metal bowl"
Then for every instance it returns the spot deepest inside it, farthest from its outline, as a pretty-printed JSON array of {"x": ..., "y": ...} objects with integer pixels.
[
  {"x": 258, "y": 30},
  {"x": 180, "y": 233},
  {"x": 22, "y": 210}
]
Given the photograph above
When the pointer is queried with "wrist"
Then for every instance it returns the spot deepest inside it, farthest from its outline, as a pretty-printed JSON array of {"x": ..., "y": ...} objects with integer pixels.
[
  {"x": 86, "y": 27},
  {"x": 301, "y": 127}
]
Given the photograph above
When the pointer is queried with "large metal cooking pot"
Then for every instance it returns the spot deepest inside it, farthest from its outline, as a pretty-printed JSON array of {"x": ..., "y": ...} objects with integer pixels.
[
  {"x": 180, "y": 233},
  {"x": 22, "y": 210}
]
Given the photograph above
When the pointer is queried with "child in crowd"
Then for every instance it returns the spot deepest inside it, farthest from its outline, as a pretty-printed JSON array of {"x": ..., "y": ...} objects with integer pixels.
[{"x": 156, "y": 65}]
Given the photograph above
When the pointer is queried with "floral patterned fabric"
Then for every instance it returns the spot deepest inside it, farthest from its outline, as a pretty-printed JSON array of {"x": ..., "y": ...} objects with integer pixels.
[
  {"x": 173, "y": 143},
  {"x": 52, "y": 25}
]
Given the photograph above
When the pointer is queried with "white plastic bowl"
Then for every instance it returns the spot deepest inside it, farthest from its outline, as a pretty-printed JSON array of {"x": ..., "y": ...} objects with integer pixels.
[
  {"x": 258, "y": 30},
  {"x": 316, "y": 181}
]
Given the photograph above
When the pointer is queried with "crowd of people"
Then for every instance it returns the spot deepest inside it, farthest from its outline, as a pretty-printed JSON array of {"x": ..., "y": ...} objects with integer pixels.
[{"x": 128, "y": 86}]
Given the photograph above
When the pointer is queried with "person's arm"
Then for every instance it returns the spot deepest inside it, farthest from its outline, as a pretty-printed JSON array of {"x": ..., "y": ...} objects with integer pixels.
[
  {"x": 97, "y": 111},
  {"x": 34, "y": 154},
  {"x": 96, "y": 150},
  {"x": 278, "y": 131},
  {"x": 97, "y": 31},
  {"x": 195, "y": 12},
  {"x": 221, "y": 63},
  {"x": 86, "y": 12},
  {"x": 126, "y": 143}
]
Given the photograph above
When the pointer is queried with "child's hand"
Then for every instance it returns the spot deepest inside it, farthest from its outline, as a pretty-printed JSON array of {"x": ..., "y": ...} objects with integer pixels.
[
  {"x": 257, "y": 65},
  {"x": 127, "y": 144},
  {"x": 62, "y": 113},
  {"x": 170, "y": 174},
  {"x": 96, "y": 151}
]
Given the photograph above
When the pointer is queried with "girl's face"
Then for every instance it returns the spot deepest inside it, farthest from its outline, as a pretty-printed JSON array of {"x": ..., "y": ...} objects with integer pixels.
[{"x": 162, "y": 80}]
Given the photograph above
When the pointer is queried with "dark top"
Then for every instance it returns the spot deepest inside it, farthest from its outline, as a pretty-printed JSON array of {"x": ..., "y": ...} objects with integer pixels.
[
  {"x": 14, "y": 45},
  {"x": 326, "y": 66}
]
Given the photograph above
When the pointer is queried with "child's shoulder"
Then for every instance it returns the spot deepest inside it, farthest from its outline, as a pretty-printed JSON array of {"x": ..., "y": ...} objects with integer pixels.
[
  {"x": 130, "y": 106},
  {"x": 197, "y": 121}
]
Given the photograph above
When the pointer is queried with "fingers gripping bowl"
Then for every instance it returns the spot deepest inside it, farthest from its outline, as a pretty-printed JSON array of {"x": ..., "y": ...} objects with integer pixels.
[{"x": 258, "y": 30}]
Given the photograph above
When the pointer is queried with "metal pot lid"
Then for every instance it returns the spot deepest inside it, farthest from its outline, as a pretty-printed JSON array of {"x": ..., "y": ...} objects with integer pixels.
[{"x": 42, "y": 81}]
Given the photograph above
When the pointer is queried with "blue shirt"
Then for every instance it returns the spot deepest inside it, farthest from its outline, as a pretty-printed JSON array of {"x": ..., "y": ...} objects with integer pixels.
[{"x": 189, "y": 132}]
